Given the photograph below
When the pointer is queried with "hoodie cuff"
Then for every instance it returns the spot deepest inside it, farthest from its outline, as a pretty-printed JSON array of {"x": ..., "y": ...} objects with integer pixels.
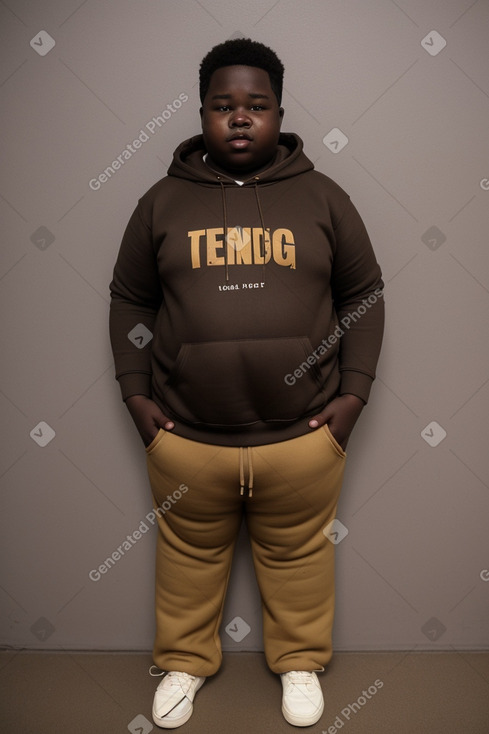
[
  {"x": 135, "y": 383},
  {"x": 356, "y": 383}
]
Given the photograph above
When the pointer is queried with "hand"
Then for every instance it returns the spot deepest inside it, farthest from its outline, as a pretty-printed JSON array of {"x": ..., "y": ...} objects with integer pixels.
[
  {"x": 148, "y": 417},
  {"x": 340, "y": 414}
]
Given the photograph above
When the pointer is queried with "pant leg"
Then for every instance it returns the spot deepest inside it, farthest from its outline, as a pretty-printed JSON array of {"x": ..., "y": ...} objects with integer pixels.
[
  {"x": 196, "y": 538},
  {"x": 296, "y": 489}
]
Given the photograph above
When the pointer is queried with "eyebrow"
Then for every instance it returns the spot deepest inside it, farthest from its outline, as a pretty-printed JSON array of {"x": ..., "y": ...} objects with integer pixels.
[{"x": 252, "y": 95}]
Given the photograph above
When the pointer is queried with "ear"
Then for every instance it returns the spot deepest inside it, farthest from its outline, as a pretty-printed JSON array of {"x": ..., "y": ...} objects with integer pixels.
[
  {"x": 201, "y": 112},
  {"x": 281, "y": 113}
]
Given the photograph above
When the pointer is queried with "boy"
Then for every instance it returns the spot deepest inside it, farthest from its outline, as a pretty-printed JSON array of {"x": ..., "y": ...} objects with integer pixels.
[{"x": 257, "y": 280}]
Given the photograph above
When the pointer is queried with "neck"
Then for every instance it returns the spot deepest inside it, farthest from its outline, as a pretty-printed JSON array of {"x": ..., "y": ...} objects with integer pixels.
[{"x": 236, "y": 173}]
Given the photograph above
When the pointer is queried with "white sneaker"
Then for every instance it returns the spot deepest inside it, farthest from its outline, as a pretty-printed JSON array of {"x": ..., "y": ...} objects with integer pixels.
[
  {"x": 302, "y": 700},
  {"x": 173, "y": 701}
]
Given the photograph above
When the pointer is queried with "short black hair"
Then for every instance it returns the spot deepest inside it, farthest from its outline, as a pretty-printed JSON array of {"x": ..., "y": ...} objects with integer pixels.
[{"x": 242, "y": 52}]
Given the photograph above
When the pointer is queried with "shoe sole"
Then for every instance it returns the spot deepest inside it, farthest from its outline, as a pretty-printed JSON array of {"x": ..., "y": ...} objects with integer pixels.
[
  {"x": 301, "y": 720},
  {"x": 165, "y": 723}
]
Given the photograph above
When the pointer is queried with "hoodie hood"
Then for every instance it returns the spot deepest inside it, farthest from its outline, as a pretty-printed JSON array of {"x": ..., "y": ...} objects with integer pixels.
[{"x": 289, "y": 160}]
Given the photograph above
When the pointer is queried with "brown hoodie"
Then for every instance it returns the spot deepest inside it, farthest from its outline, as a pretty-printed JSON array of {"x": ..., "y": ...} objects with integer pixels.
[{"x": 241, "y": 339}]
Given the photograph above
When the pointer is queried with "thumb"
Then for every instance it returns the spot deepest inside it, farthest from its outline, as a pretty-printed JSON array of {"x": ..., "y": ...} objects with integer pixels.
[
  {"x": 161, "y": 420},
  {"x": 320, "y": 419}
]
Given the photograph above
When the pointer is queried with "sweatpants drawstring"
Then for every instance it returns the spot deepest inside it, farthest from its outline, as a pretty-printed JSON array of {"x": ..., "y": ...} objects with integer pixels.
[
  {"x": 250, "y": 473},
  {"x": 242, "y": 471}
]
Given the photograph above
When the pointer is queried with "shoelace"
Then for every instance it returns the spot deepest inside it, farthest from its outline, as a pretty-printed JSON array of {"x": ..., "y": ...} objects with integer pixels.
[
  {"x": 300, "y": 677},
  {"x": 157, "y": 674},
  {"x": 173, "y": 679}
]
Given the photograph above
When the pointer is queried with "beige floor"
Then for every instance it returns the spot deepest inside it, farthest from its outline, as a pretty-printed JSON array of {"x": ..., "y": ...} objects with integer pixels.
[{"x": 410, "y": 693}]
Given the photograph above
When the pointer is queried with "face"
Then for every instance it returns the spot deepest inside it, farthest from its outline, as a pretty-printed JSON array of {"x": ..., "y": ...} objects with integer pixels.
[{"x": 241, "y": 120}]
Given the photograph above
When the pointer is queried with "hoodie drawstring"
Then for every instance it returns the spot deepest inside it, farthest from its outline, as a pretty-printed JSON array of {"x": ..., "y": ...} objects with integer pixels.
[
  {"x": 225, "y": 224},
  {"x": 242, "y": 471},
  {"x": 257, "y": 178}
]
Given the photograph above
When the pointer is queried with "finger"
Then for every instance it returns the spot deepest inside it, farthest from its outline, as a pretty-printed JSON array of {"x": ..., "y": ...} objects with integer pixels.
[
  {"x": 164, "y": 422},
  {"x": 317, "y": 420}
]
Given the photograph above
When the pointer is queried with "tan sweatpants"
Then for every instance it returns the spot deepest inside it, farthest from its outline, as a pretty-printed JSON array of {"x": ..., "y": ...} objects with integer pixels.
[{"x": 288, "y": 492}]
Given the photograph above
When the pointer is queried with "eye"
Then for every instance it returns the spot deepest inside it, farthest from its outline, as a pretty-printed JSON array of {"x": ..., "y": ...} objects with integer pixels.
[
  {"x": 223, "y": 108},
  {"x": 257, "y": 108}
]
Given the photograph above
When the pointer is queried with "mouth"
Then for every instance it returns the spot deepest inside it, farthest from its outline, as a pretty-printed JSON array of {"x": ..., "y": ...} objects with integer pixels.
[
  {"x": 240, "y": 136},
  {"x": 240, "y": 140}
]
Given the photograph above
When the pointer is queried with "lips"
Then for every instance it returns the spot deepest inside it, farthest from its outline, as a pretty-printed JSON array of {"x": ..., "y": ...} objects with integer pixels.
[
  {"x": 240, "y": 136},
  {"x": 240, "y": 141}
]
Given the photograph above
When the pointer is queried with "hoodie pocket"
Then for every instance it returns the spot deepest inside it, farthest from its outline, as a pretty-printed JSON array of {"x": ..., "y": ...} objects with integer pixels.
[{"x": 238, "y": 383}]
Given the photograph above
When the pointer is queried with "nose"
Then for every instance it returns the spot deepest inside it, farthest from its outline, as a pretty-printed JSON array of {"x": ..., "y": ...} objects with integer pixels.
[{"x": 239, "y": 119}]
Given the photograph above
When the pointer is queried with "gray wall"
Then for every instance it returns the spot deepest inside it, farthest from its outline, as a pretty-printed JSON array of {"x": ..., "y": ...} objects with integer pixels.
[{"x": 412, "y": 572}]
